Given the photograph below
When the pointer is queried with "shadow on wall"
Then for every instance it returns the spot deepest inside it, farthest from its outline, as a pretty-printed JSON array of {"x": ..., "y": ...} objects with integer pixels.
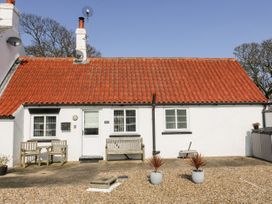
[{"x": 248, "y": 144}]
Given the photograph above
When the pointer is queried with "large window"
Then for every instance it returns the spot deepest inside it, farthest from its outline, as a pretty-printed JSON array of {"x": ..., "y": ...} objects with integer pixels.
[
  {"x": 44, "y": 126},
  {"x": 124, "y": 121},
  {"x": 91, "y": 123},
  {"x": 176, "y": 119}
]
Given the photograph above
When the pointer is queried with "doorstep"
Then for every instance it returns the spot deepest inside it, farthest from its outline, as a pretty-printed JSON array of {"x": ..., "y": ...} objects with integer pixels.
[{"x": 90, "y": 158}]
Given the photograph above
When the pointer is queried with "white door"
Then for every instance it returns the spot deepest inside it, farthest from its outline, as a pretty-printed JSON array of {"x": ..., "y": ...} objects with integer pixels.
[{"x": 91, "y": 140}]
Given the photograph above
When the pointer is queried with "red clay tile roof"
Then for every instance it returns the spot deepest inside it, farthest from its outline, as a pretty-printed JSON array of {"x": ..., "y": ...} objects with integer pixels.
[{"x": 128, "y": 80}]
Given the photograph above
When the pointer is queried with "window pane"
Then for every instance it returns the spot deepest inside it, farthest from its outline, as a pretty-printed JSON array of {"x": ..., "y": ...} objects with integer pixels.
[
  {"x": 51, "y": 126},
  {"x": 130, "y": 113},
  {"x": 181, "y": 112},
  {"x": 91, "y": 123},
  {"x": 170, "y": 125},
  {"x": 91, "y": 119},
  {"x": 118, "y": 113},
  {"x": 38, "y": 129},
  {"x": 182, "y": 125},
  {"x": 170, "y": 112},
  {"x": 131, "y": 124},
  {"x": 181, "y": 119},
  {"x": 91, "y": 131},
  {"x": 131, "y": 128},
  {"x": 130, "y": 120},
  {"x": 119, "y": 121},
  {"x": 39, "y": 119},
  {"x": 170, "y": 119}
]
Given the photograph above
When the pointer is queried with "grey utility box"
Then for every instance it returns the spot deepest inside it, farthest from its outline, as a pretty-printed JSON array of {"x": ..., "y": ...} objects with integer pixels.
[{"x": 262, "y": 143}]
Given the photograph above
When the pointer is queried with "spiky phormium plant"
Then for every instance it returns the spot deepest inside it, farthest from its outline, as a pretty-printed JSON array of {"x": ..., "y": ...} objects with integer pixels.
[
  {"x": 156, "y": 162},
  {"x": 198, "y": 161}
]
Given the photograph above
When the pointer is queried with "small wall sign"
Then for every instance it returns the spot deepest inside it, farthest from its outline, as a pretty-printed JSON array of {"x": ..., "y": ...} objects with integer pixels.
[
  {"x": 66, "y": 126},
  {"x": 106, "y": 122}
]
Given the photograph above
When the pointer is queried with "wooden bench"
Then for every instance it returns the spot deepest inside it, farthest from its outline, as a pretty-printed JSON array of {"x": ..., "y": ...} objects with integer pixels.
[
  {"x": 58, "y": 148},
  {"x": 125, "y": 146},
  {"x": 29, "y": 149}
]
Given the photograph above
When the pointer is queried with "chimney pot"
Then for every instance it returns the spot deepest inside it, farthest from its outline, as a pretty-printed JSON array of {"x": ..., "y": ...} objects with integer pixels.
[
  {"x": 11, "y": 1},
  {"x": 81, "y": 22}
]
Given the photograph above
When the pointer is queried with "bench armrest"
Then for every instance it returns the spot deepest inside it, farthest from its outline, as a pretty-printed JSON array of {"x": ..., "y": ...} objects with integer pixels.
[
  {"x": 49, "y": 148},
  {"x": 39, "y": 149}
]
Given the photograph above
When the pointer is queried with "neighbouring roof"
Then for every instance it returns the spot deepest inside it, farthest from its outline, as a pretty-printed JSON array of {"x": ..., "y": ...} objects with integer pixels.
[{"x": 49, "y": 81}]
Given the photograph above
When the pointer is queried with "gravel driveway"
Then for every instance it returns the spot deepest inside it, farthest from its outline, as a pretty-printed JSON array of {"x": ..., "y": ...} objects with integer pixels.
[{"x": 228, "y": 180}]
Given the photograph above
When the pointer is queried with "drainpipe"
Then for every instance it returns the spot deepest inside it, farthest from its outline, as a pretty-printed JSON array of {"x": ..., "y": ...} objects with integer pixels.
[
  {"x": 263, "y": 116},
  {"x": 154, "y": 152}
]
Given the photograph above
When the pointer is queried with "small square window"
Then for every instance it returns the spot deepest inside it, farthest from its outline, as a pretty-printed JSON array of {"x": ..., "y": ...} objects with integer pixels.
[
  {"x": 175, "y": 119},
  {"x": 124, "y": 120},
  {"x": 44, "y": 126}
]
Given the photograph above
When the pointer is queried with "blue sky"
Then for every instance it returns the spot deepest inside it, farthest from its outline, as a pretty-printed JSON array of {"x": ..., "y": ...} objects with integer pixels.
[{"x": 163, "y": 28}]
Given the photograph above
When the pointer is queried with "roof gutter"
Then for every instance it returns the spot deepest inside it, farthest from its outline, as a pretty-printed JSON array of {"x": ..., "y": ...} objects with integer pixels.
[
  {"x": 9, "y": 75},
  {"x": 144, "y": 104},
  {"x": 9, "y": 117}
]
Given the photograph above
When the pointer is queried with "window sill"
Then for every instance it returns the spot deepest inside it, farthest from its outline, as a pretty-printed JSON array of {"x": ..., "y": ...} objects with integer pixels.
[
  {"x": 125, "y": 135},
  {"x": 47, "y": 139},
  {"x": 176, "y": 132}
]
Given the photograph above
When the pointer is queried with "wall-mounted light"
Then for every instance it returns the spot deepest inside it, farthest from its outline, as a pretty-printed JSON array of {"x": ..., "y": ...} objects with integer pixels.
[
  {"x": 75, "y": 117},
  {"x": 14, "y": 41}
]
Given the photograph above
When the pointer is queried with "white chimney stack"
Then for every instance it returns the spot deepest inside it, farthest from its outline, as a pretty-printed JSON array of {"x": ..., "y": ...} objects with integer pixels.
[
  {"x": 9, "y": 16},
  {"x": 81, "y": 41}
]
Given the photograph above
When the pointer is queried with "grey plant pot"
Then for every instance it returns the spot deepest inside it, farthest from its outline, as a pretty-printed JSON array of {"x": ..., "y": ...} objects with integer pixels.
[
  {"x": 3, "y": 170},
  {"x": 198, "y": 176},
  {"x": 156, "y": 177}
]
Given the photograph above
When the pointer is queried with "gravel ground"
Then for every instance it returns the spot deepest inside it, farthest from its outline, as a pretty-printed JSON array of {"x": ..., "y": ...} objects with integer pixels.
[{"x": 227, "y": 180}]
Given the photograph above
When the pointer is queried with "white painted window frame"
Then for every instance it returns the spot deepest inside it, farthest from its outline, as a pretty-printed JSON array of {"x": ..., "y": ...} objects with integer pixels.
[
  {"x": 187, "y": 119},
  {"x": 136, "y": 121},
  {"x": 43, "y": 115}
]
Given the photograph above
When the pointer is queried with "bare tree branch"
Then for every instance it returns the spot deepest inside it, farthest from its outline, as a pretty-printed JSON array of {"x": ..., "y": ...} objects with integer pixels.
[
  {"x": 49, "y": 38},
  {"x": 256, "y": 59}
]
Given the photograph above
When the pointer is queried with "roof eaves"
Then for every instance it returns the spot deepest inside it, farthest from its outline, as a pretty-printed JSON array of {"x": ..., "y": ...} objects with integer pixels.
[{"x": 7, "y": 117}]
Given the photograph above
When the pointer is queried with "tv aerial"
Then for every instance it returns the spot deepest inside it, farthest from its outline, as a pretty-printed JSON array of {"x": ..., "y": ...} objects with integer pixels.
[
  {"x": 78, "y": 56},
  {"x": 87, "y": 12}
]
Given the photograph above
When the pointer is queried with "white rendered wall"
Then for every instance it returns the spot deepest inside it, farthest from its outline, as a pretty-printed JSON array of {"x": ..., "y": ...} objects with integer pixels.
[
  {"x": 216, "y": 130},
  {"x": 6, "y": 138},
  {"x": 18, "y": 134},
  {"x": 74, "y": 137},
  {"x": 8, "y": 53}
]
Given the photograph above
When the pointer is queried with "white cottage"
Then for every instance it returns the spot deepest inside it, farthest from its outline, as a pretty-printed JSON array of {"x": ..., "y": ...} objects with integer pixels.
[{"x": 211, "y": 102}]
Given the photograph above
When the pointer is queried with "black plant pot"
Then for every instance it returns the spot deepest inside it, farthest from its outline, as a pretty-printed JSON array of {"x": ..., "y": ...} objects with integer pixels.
[{"x": 3, "y": 170}]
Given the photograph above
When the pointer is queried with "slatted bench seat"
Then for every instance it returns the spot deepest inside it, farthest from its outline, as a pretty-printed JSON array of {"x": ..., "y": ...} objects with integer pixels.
[{"x": 125, "y": 146}]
